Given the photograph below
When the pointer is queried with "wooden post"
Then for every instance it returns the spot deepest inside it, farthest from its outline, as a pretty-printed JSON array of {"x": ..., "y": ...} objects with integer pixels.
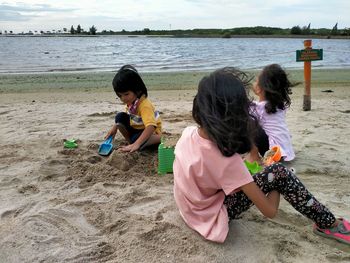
[{"x": 307, "y": 78}]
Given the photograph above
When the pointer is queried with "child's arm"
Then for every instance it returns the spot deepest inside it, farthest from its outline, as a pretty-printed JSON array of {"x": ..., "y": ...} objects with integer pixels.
[
  {"x": 268, "y": 205},
  {"x": 112, "y": 131},
  {"x": 145, "y": 135}
]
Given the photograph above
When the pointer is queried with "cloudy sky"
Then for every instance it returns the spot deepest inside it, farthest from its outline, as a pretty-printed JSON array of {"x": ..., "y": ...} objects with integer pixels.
[{"x": 176, "y": 14}]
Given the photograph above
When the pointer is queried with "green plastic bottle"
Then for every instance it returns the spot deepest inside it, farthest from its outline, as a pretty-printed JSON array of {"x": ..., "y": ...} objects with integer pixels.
[{"x": 166, "y": 158}]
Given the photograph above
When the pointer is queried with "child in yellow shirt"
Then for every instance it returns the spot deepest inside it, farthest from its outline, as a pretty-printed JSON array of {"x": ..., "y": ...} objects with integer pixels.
[{"x": 140, "y": 124}]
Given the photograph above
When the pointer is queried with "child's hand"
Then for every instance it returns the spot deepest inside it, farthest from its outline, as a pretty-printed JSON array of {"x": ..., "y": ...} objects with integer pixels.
[
  {"x": 130, "y": 148},
  {"x": 272, "y": 156},
  {"x": 112, "y": 131}
]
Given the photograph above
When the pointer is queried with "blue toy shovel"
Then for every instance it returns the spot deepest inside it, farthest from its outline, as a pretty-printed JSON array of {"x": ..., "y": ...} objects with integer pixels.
[{"x": 106, "y": 147}]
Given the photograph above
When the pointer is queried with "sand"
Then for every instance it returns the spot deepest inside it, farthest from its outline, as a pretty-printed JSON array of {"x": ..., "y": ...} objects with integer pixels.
[{"x": 72, "y": 205}]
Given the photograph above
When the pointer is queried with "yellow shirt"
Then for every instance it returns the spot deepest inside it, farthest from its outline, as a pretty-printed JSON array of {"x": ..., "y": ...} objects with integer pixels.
[{"x": 145, "y": 115}]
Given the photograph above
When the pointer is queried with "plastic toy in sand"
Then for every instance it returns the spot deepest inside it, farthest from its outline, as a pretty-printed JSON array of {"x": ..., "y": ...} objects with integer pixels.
[
  {"x": 106, "y": 147},
  {"x": 166, "y": 158},
  {"x": 272, "y": 156},
  {"x": 253, "y": 167},
  {"x": 71, "y": 144}
]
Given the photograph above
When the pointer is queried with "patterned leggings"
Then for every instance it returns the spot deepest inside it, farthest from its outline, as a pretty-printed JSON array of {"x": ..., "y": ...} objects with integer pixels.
[{"x": 278, "y": 177}]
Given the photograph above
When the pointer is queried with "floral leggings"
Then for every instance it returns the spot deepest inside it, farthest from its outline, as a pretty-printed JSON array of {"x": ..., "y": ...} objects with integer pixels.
[{"x": 278, "y": 177}]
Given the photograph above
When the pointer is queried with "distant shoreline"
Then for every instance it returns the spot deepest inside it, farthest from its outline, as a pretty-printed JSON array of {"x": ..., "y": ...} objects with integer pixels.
[
  {"x": 184, "y": 36},
  {"x": 85, "y": 71}
]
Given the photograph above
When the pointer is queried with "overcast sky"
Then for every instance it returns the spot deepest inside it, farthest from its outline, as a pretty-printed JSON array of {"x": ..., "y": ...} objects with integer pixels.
[{"x": 177, "y": 14}]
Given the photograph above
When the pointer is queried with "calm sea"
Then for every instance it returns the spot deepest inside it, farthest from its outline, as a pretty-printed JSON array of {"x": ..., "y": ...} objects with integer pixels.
[{"x": 157, "y": 54}]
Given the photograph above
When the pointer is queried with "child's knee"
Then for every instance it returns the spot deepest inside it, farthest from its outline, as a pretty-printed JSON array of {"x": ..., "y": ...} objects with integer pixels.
[
  {"x": 281, "y": 166},
  {"x": 122, "y": 117},
  {"x": 280, "y": 169}
]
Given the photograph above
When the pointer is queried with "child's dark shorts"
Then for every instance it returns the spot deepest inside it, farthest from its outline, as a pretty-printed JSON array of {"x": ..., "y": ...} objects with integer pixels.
[{"x": 124, "y": 119}]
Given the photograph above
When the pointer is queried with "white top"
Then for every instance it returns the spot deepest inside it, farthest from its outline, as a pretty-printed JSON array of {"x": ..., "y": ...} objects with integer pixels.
[{"x": 275, "y": 126}]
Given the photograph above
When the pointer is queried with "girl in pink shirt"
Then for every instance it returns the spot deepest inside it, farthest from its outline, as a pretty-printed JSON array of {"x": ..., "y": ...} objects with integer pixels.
[{"x": 211, "y": 183}]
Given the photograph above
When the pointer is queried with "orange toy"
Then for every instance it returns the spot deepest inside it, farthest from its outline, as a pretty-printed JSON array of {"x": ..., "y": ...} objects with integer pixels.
[{"x": 272, "y": 156}]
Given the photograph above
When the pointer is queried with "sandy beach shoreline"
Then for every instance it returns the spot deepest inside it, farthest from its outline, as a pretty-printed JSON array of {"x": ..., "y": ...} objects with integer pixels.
[
  {"x": 72, "y": 205},
  {"x": 101, "y": 81}
]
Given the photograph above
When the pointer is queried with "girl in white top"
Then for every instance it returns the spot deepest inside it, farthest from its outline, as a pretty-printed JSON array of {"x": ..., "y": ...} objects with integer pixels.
[{"x": 273, "y": 89}]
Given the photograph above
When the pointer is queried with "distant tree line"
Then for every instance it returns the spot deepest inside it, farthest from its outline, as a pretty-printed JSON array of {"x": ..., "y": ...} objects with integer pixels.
[
  {"x": 224, "y": 33},
  {"x": 238, "y": 31},
  {"x": 80, "y": 30}
]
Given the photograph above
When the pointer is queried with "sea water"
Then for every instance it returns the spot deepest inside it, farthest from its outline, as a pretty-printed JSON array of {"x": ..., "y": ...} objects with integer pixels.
[{"x": 30, "y": 54}]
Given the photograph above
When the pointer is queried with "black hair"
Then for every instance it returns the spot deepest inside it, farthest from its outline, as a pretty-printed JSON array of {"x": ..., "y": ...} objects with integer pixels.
[
  {"x": 128, "y": 79},
  {"x": 274, "y": 81},
  {"x": 221, "y": 108}
]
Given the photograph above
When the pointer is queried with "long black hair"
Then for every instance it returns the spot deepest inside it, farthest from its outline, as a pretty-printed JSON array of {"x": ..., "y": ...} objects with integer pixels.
[
  {"x": 221, "y": 108},
  {"x": 128, "y": 79},
  {"x": 274, "y": 81}
]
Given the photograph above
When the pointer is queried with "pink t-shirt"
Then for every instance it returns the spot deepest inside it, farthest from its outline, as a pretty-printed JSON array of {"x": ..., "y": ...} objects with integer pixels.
[
  {"x": 202, "y": 178},
  {"x": 276, "y": 129}
]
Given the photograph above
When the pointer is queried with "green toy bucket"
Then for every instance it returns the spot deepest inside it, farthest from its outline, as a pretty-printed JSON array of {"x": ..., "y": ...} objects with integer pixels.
[
  {"x": 166, "y": 158},
  {"x": 253, "y": 167}
]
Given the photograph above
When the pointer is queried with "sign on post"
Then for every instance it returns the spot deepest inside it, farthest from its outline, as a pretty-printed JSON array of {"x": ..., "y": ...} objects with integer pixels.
[{"x": 309, "y": 55}]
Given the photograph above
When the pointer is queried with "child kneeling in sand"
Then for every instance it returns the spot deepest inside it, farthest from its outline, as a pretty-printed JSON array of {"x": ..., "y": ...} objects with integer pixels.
[
  {"x": 211, "y": 182},
  {"x": 141, "y": 124}
]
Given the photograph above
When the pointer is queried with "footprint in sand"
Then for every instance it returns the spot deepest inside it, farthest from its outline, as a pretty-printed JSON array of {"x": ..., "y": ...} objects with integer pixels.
[
  {"x": 28, "y": 189},
  {"x": 94, "y": 159},
  {"x": 286, "y": 249},
  {"x": 121, "y": 226},
  {"x": 68, "y": 152},
  {"x": 53, "y": 168},
  {"x": 93, "y": 146}
]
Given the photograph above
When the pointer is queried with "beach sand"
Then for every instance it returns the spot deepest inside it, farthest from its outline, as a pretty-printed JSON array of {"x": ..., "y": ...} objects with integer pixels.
[{"x": 72, "y": 205}]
